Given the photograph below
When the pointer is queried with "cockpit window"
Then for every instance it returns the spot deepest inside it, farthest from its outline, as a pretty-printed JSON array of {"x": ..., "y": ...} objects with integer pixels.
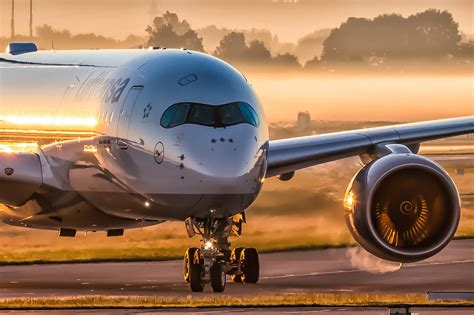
[
  {"x": 175, "y": 115},
  {"x": 219, "y": 116},
  {"x": 201, "y": 115},
  {"x": 231, "y": 114},
  {"x": 249, "y": 114}
]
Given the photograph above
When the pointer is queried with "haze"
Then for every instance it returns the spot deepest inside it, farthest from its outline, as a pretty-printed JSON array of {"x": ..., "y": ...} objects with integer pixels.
[
  {"x": 364, "y": 97},
  {"x": 398, "y": 93},
  {"x": 289, "y": 19}
]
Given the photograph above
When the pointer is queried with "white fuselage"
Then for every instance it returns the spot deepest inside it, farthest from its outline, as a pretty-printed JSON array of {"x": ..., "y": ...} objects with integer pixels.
[{"x": 134, "y": 168}]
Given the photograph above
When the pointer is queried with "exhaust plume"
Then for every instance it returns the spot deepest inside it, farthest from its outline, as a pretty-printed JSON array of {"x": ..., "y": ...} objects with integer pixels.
[{"x": 363, "y": 260}]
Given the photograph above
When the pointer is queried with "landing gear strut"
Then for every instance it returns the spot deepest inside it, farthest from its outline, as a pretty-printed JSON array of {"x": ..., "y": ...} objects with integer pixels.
[{"x": 214, "y": 260}]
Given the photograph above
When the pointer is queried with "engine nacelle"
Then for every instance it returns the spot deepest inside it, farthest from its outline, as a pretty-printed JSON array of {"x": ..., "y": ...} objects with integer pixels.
[
  {"x": 402, "y": 207},
  {"x": 20, "y": 177}
]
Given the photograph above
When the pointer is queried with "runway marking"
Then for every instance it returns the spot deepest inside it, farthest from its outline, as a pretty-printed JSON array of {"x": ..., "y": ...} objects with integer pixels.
[
  {"x": 202, "y": 312},
  {"x": 439, "y": 263},
  {"x": 309, "y": 274},
  {"x": 317, "y": 311}
]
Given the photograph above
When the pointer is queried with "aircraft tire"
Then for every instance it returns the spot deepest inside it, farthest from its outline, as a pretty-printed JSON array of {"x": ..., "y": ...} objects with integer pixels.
[
  {"x": 235, "y": 258},
  {"x": 196, "y": 281},
  {"x": 218, "y": 278},
  {"x": 250, "y": 265},
  {"x": 188, "y": 257}
]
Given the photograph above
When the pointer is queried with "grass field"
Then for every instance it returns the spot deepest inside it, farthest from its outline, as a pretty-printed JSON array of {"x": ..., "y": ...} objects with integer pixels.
[{"x": 359, "y": 300}]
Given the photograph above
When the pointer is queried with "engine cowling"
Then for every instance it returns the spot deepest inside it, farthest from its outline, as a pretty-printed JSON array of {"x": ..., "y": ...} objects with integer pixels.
[
  {"x": 402, "y": 207},
  {"x": 20, "y": 177}
]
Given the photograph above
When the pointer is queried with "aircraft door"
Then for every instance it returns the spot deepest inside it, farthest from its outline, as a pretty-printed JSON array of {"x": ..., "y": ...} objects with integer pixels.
[{"x": 127, "y": 110}]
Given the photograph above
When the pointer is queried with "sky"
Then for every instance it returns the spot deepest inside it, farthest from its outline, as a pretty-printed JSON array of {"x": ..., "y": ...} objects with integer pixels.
[{"x": 290, "y": 19}]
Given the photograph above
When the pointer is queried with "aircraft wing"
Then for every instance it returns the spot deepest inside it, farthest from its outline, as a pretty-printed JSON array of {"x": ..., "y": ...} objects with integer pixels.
[{"x": 288, "y": 155}]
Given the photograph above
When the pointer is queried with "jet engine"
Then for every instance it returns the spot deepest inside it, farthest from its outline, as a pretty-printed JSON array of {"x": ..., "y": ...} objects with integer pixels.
[
  {"x": 20, "y": 177},
  {"x": 402, "y": 207}
]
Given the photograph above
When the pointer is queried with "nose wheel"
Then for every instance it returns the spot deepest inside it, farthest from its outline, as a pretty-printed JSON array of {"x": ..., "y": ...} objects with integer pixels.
[
  {"x": 218, "y": 278},
  {"x": 213, "y": 261}
]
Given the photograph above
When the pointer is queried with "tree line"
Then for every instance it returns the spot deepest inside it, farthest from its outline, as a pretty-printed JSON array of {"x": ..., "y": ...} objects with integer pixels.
[
  {"x": 379, "y": 42},
  {"x": 432, "y": 36}
]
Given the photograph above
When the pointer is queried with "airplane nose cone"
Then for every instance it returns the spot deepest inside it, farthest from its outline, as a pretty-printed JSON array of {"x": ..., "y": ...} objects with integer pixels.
[{"x": 226, "y": 162}]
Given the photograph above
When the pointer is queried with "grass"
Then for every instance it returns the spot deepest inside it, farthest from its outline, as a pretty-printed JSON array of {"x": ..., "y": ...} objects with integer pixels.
[
  {"x": 157, "y": 250},
  {"x": 330, "y": 299}
]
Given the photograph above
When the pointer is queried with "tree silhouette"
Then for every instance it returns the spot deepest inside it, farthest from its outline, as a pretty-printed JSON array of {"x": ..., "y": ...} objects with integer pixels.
[
  {"x": 46, "y": 36},
  {"x": 436, "y": 32},
  {"x": 168, "y": 18},
  {"x": 429, "y": 33},
  {"x": 232, "y": 47},
  {"x": 287, "y": 60},
  {"x": 169, "y": 31},
  {"x": 258, "y": 52},
  {"x": 311, "y": 45}
]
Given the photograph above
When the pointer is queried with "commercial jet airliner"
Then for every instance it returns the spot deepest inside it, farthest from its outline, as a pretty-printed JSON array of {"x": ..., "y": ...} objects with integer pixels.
[{"x": 120, "y": 139}]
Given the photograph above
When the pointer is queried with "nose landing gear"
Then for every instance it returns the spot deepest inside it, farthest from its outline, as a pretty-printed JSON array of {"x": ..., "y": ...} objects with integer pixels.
[{"x": 213, "y": 261}]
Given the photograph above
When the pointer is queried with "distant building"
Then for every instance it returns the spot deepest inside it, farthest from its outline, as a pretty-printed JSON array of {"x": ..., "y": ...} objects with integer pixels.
[
  {"x": 304, "y": 120},
  {"x": 459, "y": 171}
]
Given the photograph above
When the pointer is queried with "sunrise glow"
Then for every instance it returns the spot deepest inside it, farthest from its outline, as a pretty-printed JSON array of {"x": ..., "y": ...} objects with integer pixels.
[
  {"x": 18, "y": 147},
  {"x": 84, "y": 122}
]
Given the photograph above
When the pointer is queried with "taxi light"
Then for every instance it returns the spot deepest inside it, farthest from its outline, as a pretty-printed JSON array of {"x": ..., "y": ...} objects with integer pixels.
[
  {"x": 349, "y": 201},
  {"x": 208, "y": 245}
]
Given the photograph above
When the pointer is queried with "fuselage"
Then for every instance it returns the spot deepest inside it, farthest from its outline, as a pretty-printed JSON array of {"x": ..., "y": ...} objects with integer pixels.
[{"x": 205, "y": 157}]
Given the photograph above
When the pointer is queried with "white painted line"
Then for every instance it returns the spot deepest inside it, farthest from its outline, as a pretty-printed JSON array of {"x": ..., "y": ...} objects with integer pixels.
[
  {"x": 310, "y": 274},
  {"x": 439, "y": 263}
]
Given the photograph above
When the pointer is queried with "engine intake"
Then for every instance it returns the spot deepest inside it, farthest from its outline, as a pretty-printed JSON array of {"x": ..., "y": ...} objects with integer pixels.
[{"x": 402, "y": 207}]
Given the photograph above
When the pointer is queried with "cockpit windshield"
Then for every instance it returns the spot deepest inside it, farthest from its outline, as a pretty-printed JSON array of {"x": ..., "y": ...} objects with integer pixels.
[{"x": 220, "y": 116}]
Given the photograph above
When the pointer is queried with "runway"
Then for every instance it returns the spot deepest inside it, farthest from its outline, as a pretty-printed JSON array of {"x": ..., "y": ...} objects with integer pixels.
[
  {"x": 251, "y": 311},
  {"x": 313, "y": 271}
]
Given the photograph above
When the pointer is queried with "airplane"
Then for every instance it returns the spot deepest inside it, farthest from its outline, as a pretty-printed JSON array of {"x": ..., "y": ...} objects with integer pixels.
[{"x": 152, "y": 135}]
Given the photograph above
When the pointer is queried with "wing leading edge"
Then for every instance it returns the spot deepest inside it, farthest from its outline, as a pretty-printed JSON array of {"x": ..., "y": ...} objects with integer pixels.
[{"x": 292, "y": 154}]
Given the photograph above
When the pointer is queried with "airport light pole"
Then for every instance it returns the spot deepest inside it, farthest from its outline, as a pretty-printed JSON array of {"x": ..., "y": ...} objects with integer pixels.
[
  {"x": 31, "y": 18},
  {"x": 13, "y": 20}
]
